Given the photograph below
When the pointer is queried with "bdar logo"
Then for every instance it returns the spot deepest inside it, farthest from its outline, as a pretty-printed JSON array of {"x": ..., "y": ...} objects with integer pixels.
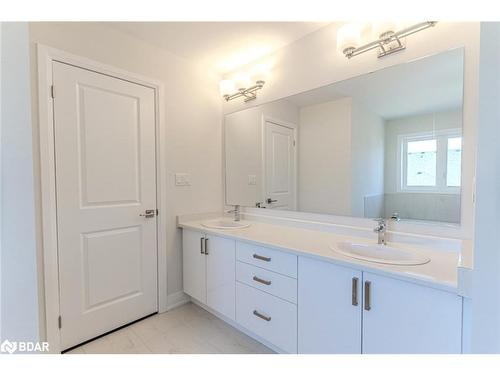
[{"x": 8, "y": 347}]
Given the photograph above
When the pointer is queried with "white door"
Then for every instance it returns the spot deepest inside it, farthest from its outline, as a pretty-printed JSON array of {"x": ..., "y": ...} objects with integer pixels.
[
  {"x": 405, "y": 318},
  {"x": 221, "y": 268},
  {"x": 194, "y": 265},
  {"x": 105, "y": 179},
  {"x": 329, "y": 308},
  {"x": 279, "y": 160}
]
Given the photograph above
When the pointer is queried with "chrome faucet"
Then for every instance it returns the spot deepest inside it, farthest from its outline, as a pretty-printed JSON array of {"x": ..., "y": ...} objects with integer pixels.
[
  {"x": 380, "y": 230},
  {"x": 236, "y": 212}
]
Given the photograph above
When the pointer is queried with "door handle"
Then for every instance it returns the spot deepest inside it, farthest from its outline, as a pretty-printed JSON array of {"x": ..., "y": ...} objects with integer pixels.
[
  {"x": 354, "y": 292},
  {"x": 368, "y": 306},
  {"x": 148, "y": 214},
  {"x": 201, "y": 246},
  {"x": 206, "y": 246},
  {"x": 269, "y": 200}
]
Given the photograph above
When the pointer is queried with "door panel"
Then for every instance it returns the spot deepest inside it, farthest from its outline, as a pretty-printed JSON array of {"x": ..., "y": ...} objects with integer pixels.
[
  {"x": 280, "y": 166},
  {"x": 406, "y": 318},
  {"x": 194, "y": 265},
  {"x": 105, "y": 178},
  {"x": 329, "y": 323},
  {"x": 221, "y": 275}
]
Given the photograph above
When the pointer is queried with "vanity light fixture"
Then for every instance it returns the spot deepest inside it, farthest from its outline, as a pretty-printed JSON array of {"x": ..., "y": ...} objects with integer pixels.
[
  {"x": 248, "y": 91},
  {"x": 388, "y": 42}
]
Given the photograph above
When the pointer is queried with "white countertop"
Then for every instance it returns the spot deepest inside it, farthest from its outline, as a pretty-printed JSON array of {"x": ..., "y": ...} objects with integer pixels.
[{"x": 439, "y": 273}]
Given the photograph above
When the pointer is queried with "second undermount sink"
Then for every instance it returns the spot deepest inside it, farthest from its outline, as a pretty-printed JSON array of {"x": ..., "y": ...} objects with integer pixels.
[
  {"x": 380, "y": 254},
  {"x": 225, "y": 224}
]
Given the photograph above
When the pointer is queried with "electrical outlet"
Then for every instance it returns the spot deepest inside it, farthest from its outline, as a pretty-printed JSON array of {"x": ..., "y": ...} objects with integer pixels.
[
  {"x": 182, "y": 179},
  {"x": 252, "y": 179}
]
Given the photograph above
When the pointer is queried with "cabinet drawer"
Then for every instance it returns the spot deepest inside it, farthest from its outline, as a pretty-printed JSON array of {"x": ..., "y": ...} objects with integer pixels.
[
  {"x": 271, "y": 282},
  {"x": 269, "y": 317},
  {"x": 273, "y": 260}
]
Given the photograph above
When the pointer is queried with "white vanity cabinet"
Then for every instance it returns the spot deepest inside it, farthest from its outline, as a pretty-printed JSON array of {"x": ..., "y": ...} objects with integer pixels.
[
  {"x": 406, "y": 318},
  {"x": 342, "y": 310},
  {"x": 209, "y": 271},
  {"x": 329, "y": 308}
]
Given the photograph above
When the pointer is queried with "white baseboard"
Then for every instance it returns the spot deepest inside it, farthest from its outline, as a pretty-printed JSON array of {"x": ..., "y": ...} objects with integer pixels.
[{"x": 177, "y": 299}]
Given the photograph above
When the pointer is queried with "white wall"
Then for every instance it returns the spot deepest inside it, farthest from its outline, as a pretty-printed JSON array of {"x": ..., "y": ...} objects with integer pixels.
[
  {"x": 367, "y": 165},
  {"x": 192, "y": 110},
  {"x": 324, "y": 183},
  {"x": 243, "y": 149},
  {"x": 313, "y": 62},
  {"x": 19, "y": 294},
  {"x": 485, "y": 329}
]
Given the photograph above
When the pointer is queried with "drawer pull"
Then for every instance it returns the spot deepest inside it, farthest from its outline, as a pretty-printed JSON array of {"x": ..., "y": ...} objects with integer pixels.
[
  {"x": 262, "y": 281},
  {"x": 201, "y": 245},
  {"x": 367, "y": 296},
  {"x": 260, "y": 257},
  {"x": 354, "y": 298},
  {"x": 258, "y": 314}
]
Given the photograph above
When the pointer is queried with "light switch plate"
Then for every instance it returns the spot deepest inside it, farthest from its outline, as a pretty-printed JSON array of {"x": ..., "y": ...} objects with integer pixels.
[
  {"x": 252, "y": 179},
  {"x": 182, "y": 179}
]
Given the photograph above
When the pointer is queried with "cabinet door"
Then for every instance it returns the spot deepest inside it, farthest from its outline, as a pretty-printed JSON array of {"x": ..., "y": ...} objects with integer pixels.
[
  {"x": 194, "y": 265},
  {"x": 221, "y": 275},
  {"x": 408, "y": 318},
  {"x": 329, "y": 305}
]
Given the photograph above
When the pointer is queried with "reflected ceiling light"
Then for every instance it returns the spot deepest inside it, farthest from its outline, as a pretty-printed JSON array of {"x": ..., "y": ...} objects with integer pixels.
[{"x": 388, "y": 39}]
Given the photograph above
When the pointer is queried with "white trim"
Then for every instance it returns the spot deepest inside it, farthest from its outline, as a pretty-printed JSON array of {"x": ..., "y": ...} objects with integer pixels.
[
  {"x": 45, "y": 57},
  {"x": 289, "y": 125},
  {"x": 177, "y": 299}
]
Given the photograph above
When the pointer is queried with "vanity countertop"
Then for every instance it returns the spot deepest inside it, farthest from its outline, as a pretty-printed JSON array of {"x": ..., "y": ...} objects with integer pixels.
[{"x": 439, "y": 273}]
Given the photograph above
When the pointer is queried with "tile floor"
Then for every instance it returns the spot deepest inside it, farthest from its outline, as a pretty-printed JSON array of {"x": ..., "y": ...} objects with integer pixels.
[{"x": 187, "y": 329}]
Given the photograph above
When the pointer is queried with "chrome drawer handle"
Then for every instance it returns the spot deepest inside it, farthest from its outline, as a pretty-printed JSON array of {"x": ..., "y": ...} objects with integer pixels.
[
  {"x": 260, "y": 257},
  {"x": 262, "y": 281},
  {"x": 354, "y": 295},
  {"x": 368, "y": 305},
  {"x": 266, "y": 318}
]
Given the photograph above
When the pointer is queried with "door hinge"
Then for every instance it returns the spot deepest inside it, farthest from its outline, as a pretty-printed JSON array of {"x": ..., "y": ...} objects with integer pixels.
[
  {"x": 52, "y": 92},
  {"x": 59, "y": 321}
]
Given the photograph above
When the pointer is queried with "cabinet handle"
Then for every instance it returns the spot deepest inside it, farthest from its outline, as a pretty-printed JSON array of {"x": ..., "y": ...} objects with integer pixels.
[
  {"x": 201, "y": 246},
  {"x": 354, "y": 295},
  {"x": 262, "y": 281},
  {"x": 266, "y": 318},
  {"x": 260, "y": 257},
  {"x": 367, "y": 296},
  {"x": 206, "y": 246}
]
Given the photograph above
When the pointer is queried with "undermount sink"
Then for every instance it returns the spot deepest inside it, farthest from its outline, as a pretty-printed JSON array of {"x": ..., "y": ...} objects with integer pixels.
[
  {"x": 225, "y": 224},
  {"x": 380, "y": 254}
]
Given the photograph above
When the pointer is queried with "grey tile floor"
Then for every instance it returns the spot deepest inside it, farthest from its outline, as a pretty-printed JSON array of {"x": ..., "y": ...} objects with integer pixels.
[{"x": 187, "y": 329}]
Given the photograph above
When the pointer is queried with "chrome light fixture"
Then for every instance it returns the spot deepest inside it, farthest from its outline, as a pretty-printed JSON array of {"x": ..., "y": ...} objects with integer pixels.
[
  {"x": 388, "y": 42},
  {"x": 228, "y": 89}
]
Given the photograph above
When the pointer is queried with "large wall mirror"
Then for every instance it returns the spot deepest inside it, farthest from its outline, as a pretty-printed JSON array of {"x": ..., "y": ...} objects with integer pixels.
[{"x": 378, "y": 145}]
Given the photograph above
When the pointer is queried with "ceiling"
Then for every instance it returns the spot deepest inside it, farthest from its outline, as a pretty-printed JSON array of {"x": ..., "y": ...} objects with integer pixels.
[
  {"x": 221, "y": 46},
  {"x": 428, "y": 84}
]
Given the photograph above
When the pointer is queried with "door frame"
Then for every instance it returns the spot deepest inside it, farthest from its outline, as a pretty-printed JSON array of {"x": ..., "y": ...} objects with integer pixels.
[
  {"x": 45, "y": 57},
  {"x": 285, "y": 124}
]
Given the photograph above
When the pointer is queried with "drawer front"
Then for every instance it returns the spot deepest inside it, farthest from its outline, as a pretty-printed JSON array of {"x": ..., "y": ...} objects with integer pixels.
[
  {"x": 269, "y": 317},
  {"x": 271, "y": 282},
  {"x": 269, "y": 259}
]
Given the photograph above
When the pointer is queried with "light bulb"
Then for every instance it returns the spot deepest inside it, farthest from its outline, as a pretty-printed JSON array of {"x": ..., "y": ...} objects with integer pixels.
[
  {"x": 348, "y": 37},
  {"x": 383, "y": 29},
  {"x": 227, "y": 87},
  {"x": 242, "y": 81}
]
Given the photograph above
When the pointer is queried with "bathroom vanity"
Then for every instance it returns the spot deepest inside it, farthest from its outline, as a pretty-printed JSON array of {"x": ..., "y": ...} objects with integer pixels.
[
  {"x": 288, "y": 288},
  {"x": 305, "y": 273}
]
